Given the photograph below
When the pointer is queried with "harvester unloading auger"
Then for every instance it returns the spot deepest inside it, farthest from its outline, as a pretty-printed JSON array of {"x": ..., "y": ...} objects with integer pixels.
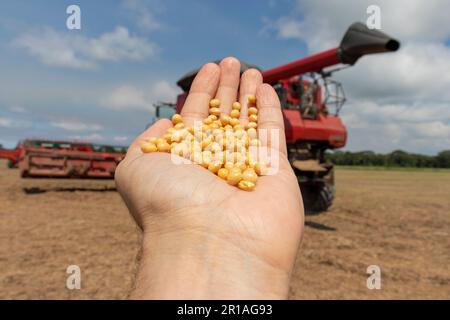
[{"x": 311, "y": 128}]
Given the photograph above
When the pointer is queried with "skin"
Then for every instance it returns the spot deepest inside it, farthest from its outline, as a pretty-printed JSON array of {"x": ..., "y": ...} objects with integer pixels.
[{"x": 202, "y": 238}]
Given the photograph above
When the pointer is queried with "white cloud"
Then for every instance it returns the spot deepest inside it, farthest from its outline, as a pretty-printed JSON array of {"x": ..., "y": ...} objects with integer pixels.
[
  {"x": 13, "y": 123},
  {"x": 388, "y": 127},
  {"x": 6, "y": 122},
  {"x": 426, "y": 137},
  {"x": 126, "y": 97},
  {"x": 287, "y": 28},
  {"x": 144, "y": 16},
  {"x": 65, "y": 49},
  {"x": 163, "y": 91},
  {"x": 94, "y": 137},
  {"x": 18, "y": 109},
  {"x": 147, "y": 21},
  {"x": 325, "y": 21},
  {"x": 434, "y": 129},
  {"x": 395, "y": 101},
  {"x": 76, "y": 125},
  {"x": 131, "y": 97},
  {"x": 121, "y": 138},
  {"x": 416, "y": 72}
]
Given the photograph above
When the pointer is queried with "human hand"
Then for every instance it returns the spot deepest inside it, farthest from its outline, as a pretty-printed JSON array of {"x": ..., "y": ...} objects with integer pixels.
[{"x": 203, "y": 238}]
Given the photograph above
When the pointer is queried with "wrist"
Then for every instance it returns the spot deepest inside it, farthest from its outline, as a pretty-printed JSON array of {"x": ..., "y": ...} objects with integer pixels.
[{"x": 201, "y": 264}]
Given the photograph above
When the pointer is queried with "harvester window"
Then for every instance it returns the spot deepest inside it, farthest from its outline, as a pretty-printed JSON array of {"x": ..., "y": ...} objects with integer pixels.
[
  {"x": 47, "y": 145},
  {"x": 164, "y": 110},
  {"x": 308, "y": 104},
  {"x": 295, "y": 89}
]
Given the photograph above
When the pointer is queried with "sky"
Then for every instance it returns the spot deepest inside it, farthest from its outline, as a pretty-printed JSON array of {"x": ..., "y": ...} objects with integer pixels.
[{"x": 99, "y": 83}]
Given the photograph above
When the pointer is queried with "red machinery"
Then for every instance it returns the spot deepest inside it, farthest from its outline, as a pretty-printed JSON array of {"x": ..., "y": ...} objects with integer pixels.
[
  {"x": 63, "y": 159},
  {"x": 310, "y": 127},
  {"x": 12, "y": 155}
]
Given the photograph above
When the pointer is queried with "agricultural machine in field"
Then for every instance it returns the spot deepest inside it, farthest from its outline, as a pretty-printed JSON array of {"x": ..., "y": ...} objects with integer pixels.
[
  {"x": 12, "y": 155},
  {"x": 64, "y": 159},
  {"x": 307, "y": 94}
]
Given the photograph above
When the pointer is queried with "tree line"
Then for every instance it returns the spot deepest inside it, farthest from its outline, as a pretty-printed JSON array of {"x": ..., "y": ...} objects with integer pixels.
[{"x": 397, "y": 158}]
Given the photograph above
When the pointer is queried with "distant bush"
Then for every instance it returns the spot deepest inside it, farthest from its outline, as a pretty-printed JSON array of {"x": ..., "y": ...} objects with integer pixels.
[{"x": 397, "y": 158}]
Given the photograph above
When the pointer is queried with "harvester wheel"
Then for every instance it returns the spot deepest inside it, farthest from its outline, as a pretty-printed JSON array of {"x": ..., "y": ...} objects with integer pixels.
[
  {"x": 24, "y": 174},
  {"x": 318, "y": 198}
]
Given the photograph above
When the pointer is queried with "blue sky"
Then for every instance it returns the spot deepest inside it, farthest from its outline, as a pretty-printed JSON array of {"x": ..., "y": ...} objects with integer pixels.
[{"x": 99, "y": 83}]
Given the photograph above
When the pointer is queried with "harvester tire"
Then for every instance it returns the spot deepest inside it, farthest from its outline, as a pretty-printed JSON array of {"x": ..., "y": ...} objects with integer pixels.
[
  {"x": 317, "y": 199},
  {"x": 24, "y": 173}
]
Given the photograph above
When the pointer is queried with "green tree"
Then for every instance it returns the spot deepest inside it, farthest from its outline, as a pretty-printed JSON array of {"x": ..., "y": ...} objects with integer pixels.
[{"x": 443, "y": 159}]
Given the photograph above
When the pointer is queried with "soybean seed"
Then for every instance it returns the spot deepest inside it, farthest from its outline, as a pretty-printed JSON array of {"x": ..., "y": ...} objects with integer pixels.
[
  {"x": 223, "y": 173},
  {"x": 260, "y": 168},
  {"x": 215, "y": 166},
  {"x": 234, "y": 177},
  {"x": 214, "y": 103},
  {"x": 252, "y": 99},
  {"x": 253, "y": 118},
  {"x": 207, "y": 121},
  {"x": 163, "y": 146},
  {"x": 234, "y": 122},
  {"x": 225, "y": 120},
  {"x": 214, "y": 111},
  {"x": 229, "y": 165},
  {"x": 235, "y": 113},
  {"x": 246, "y": 185},
  {"x": 249, "y": 175},
  {"x": 148, "y": 147},
  {"x": 176, "y": 118},
  {"x": 252, "y": 110},
  {"x": 252, "y": 134}
]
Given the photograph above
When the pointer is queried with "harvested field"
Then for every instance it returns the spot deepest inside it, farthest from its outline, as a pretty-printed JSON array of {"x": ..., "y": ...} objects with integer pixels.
[{"x": 398, "y": 220}]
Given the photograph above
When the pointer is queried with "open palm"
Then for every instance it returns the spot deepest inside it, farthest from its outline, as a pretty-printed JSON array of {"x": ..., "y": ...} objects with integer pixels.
[{"x": 163, "y": 197}]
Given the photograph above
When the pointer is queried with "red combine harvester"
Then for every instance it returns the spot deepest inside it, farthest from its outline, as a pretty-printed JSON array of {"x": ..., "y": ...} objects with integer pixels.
[
  {"x": 306, "y": 94},
  {"x": 12, "y": 155},
  {"x": 64, "y": 159}
]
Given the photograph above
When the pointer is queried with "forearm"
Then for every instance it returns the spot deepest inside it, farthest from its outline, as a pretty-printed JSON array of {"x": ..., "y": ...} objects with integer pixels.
[{"x": 190, "y": 265}]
